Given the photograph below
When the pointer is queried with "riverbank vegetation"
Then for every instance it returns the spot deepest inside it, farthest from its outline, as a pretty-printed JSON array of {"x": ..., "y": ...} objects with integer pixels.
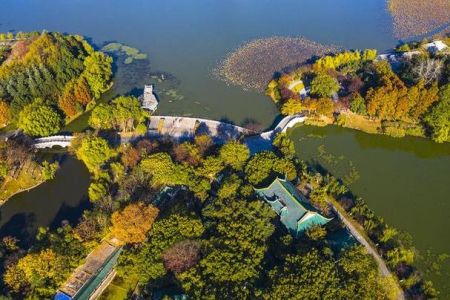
[
  {"x": 254, "y": 63},
  {"x": 399, "y": 94},
  {"x": 21, "y": 168},
  {"x": 48, "y": 79},
  {"x": 416, "y": 17},
  {"x": 203, "y": 232}
]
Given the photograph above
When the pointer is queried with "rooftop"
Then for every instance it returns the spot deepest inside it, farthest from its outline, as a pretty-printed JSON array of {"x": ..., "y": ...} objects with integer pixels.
[
  {"x": 295, "y": 211},
  {"x": 85, "y": 279}
]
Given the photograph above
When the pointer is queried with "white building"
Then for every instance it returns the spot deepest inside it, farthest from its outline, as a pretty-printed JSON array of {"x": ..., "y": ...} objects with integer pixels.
[
  {"x": 435, "y": 47},
  {"x": 148, "y": 99}
]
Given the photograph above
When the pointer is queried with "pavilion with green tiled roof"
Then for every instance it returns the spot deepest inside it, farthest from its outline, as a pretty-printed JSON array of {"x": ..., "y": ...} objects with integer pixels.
[{"x": 295, "y": 212}]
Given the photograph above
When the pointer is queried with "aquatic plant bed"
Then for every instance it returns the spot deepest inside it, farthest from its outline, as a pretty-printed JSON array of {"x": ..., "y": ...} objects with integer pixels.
[
  {"x": 417, "y": 17},
  {"x": 253, "y": 64}
]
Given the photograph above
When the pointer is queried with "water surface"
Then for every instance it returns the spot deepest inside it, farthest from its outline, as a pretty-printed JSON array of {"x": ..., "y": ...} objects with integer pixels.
[{"x": 406, "y": 181}]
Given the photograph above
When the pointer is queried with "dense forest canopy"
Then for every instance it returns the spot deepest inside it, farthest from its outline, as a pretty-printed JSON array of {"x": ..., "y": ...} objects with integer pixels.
[
  {"x": 213, "y": 237},
  {"x": 63, "y": 73}
]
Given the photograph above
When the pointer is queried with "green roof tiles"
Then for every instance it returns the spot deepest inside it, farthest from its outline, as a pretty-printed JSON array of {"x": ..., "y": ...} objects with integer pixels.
[{"x": 294, "y": 210}]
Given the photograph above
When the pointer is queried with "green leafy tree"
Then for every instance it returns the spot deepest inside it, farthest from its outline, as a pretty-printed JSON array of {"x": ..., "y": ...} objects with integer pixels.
[
  {"x": 285, "y": 145},
  {"x": 324, "y": 85},
  {"x": 239, "y": 231},
  {"x": 438, "y": 119},
  {"x": 309, "y": 276},
  {"x": 358, "y": 105},
  {"x": 97, "y": 190},
  {"x": 38, "y": 119},
  {"x": 266, "y": 165},
  {"x": 49, "y": 170},
  {"x": 94, "y": 152},
  {"x": 230, "y": 187},
  {"x": 98, "y": 72},
  {"x": 234, "y": 154},
  {"x": 102, "y": 117}
]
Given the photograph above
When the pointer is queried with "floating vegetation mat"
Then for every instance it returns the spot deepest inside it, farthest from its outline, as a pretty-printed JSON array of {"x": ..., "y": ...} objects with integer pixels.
[
  {"x": 417, "y": 17},
  {"x": 254, "y": 64},
  {"x": 130, "y": 53}
]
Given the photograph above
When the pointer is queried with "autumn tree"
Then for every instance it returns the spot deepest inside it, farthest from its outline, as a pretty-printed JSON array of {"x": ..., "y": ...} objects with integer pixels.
[
  {"x": 4, "y": 113},
  {"x": 292, "y": 106},
  {"x": 181, "y": 256},
  {"x": 146, "y": 262},
  {"x": 132, "y": 224}
]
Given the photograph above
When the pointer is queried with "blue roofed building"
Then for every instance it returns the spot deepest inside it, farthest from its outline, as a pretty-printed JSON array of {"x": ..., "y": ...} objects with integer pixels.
[{"x": 295, "y": 211}]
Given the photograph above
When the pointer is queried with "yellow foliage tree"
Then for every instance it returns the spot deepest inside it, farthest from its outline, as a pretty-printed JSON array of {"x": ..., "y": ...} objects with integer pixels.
[
  {"x": 4, "y": 113},
  {"x": 132, "y": 224}
]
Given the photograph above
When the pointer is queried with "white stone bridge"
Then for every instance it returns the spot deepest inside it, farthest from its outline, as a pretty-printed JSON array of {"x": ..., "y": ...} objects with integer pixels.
[
  {"x": 185, "y": 128},
  {"x": 55, "y": 140}
]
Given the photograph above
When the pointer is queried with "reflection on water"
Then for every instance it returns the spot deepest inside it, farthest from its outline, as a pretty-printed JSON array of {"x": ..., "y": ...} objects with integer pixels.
[
  {"x": 62, "y": 198},
  {"x": 405, "y": 180}
]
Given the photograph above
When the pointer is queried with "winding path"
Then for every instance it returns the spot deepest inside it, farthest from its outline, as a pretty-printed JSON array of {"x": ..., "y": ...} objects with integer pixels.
[{"x": 370, "y": 249}]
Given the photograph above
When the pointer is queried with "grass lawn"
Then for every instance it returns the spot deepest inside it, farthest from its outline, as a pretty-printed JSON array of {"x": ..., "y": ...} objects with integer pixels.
[
  {"x": 28, "y": 177},
  {"x": 119, "y": 289},
  {"x": 361, "y": 123}
]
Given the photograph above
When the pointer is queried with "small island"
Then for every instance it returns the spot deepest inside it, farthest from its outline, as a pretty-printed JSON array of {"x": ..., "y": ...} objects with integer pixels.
[{"x": 405, "y": 92}]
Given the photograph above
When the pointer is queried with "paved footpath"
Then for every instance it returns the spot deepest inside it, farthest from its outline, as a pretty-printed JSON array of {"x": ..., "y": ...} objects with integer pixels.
[{"x": 379, "y": 260}]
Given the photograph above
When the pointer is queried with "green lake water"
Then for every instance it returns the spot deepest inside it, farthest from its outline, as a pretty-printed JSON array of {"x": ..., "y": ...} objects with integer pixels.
[{"x": 405, "y": 181}]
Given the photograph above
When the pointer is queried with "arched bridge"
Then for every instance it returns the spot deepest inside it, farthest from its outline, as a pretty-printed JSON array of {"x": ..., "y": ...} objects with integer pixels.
[
  {"x": 263, "y": 141},
  {"x": 185, "y": 128},
  {"x": 50, "y": 141}
]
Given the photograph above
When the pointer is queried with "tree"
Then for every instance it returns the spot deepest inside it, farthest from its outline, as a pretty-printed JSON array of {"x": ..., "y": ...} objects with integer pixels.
[
  {"x": 324, "y": 85},
  {"x": 181, "y": 256},
  {"x": 234, "y": 154},
  {"x": 132, "y": 224},
  {"x": 127, "y": 113},
  {"x": 358, "y": 105},
  {"x": 266, "y": 165},
  {"x": 102, "y": 117},
  {"x": 239, "y": 234},
  {"x": 40, "y": 273},
  {"x": 292, "y": 107},
  {"x": 309, "y": 276},
  {"x": 49, "y": 170},
  {"x": 284, "y": 144},
  {"x": 325, "y": 107},
  {"x": 98, "y": 72},
  {"x": 229, "y": 187},
  {"x": 4, "y": 113},
  {"x": 146, "y": 261},
  {"x": 97, "y": 190},
  {"x": 38, "y": 119},
  {"x": 438, "y": 119},
  {"x": 316, "y": 233},
  {"x": 94, "y": 152}
]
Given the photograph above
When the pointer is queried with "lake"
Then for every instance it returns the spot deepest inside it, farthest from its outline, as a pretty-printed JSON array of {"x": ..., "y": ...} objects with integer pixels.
[
  {"x": 403, "y": 180},
  {"x": 406, "y": 181}
]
